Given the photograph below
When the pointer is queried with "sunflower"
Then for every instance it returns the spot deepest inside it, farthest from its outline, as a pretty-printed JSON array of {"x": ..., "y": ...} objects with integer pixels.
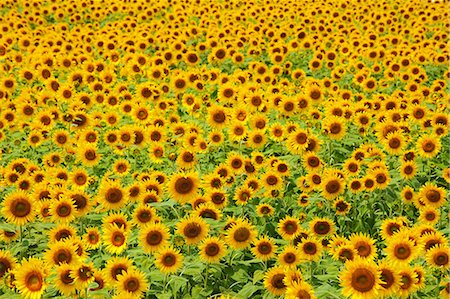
[
  {"x": 264, "y": 210},
  {"x": 408, "y": 282},
  {"x": 264, "y": 248},
  {"x": 300, "y": 290},
  {"x": 297, "y": 141},
  {"x": 193, "y": 229},
  {"x": 168, "y": 260},
  {"x": 341, "y": 206},
  {"x": 218, "y": 117},
  {"x": 212, "y": 249},
  {"x": 360, "y": 279},
  {"x": 183, "y": 187},
  {"x": 364, "y": 245},
  {"x": 115, "y": 239},
  {"x": 18, "y": 208},
  {"x": 401, "y": 250},
  {"x": 7, "y": 263},
  {"x": 131, "y": 284},
  {"x": 332, "y": 186},
  {"x": 389, "y": 227},
  {"x": 83, "y": 275},
  {"x": 289, "y": 257},
  {"x": 256, "y": 139},
  {"x": 121, "y": 167},
  {"x": 344, "y": 252},
  {"x": 428, "y": 146},
  {"x": 119, "y": 219},
  {"x": 390, "y": 279},
  {"x": 61, "y": 232},
  {"x": 207, "y": 210},
  {"x": 289, "y": 227},
  {"x": 88, "y": 155},
  {"x": 432, "y": 195},
  {"x": 438, "y": 256},
  {"x": 62, "y": 252},
  {"x": 394, "y": 143},
  {"x": 92, "y": 238},
  {"x": 322, "y": 227},
  {"x": 63, "y": 282},
  {"x": 80, "y": 178},
  {"x": 116, "y": 266},
  {"x": 144, "y": 214},
  {"x": 30, "y": 278},
  {"x": 407, "y": 195},
  {"x": 272, "y": 181},
  {"x": 334, "y": 127},
  {"x": 153, "y": 237},
  {"x": 63, "y": 210},
  {"x": 310, "y": 249},
  {"x": 111, "y": 195},
  {"x": 408, "y": 170},
  {"x": 274, "y": 281},
  {"x": 429, "y": 215},
  {"x": 241, "y": 234}
]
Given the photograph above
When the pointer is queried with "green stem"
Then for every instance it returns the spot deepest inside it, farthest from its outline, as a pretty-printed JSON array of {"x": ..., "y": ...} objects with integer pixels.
[
  {"x": 206, "y": 276},
  {"x": 21, "y": 234}
]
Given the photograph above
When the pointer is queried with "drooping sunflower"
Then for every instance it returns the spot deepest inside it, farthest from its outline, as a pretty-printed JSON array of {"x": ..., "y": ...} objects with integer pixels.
[
  {"x": 360, "y": 279},
  {"x": 30, "y": 278},
  {"x": 212, "y": 249},
  {"x": 274, "y": 281},
  {"x": 183, "y": 187},
  {"x": 18, "y": 208},
  {"x": 153, "y": 237},
  {"x": 241, "y": 234},
  {"x": 193, "y": 229},
  {"x": 168, "y": 260},
  {"x": 131, "y": 284}
]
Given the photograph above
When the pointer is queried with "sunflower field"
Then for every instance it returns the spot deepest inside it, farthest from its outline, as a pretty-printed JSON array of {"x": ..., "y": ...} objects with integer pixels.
[{"x": 224, "y": 149}]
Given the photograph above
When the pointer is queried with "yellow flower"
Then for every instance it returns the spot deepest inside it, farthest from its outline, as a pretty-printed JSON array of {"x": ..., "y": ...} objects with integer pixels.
[{"x": 360, "y": 279}]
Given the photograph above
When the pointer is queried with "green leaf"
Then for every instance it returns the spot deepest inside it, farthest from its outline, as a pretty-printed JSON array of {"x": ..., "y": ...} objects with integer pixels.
[
  {"x": 248, "y": 290},
  {"x": 258, "y": 275},
  {"x": 240, "y": 275}
]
